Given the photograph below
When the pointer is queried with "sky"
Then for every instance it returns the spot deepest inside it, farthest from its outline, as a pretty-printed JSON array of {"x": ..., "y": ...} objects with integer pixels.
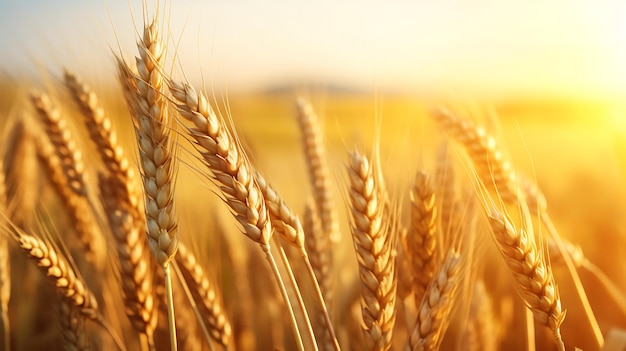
[{"x": 538, "y": 48}]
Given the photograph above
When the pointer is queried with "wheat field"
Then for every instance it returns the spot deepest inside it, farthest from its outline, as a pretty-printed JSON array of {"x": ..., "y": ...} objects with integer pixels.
[{"x": 152, "y": 214}]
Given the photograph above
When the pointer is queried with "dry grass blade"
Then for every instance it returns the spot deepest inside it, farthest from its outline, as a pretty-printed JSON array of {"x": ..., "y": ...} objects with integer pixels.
[
  {"x": 205, "y": 296},
  {"x": 532, "y": 274},
  {"x": 64, "y": 144},
  {"x": 421, "y": 238},
  {"x": 374, "y": 244},
  {"x": 72, "y": 324},
  {"x": 132, "y": 253},
  {"x": 437, "y": 305}
]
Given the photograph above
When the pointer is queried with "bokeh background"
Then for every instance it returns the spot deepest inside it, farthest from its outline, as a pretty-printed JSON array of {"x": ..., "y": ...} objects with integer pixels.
[{"x": 548, "y": 79}]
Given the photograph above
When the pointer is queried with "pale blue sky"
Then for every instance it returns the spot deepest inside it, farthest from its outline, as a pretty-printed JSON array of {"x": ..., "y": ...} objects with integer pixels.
[{"x": 544, "y": 47}]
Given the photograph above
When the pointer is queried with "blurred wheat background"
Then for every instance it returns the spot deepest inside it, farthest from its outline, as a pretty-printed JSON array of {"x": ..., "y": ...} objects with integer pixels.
[{"x": 547, "y": 80}]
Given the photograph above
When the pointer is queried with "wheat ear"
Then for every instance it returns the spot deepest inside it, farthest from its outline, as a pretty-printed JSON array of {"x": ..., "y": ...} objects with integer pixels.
[
  {"x": 145, "y": 95},
  {"x": 78, "y": 207},
  {"x": 132, "y": 254},
  {"x": 73, "y": 331},
  {"x": 421, "y": 238},
  {"x": 60, "y": 273},
  {"x": 532, "y": 273},
  {"x": 5, "y": 268},
  {"x": 64, "y": 145},
  {"x": 232, "y": 170},
  {"x": 436, "y": 306},
  {"x": 205, "y": 296},
  {"x": 315, "y": 155},
  {"x": 104, "y": 137},
  {"x": 374, "y": 244}
]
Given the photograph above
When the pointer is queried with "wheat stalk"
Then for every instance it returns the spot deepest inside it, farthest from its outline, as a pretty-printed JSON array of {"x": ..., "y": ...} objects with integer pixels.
[
  {"x": 373, "y": 243},
  {"x": 437, "y": 305}
]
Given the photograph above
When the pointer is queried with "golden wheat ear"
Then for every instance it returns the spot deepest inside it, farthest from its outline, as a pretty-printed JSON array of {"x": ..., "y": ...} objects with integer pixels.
[
  {"x": 210, "y": 310},
  {"x": 373, "y": 244},
  {"x": 436, "y": 305},
  {"x": 150, "y": 110},
  {"x": 132, "y": 253},
  {"x": 60, "y": 273},
  {"x": 532, "y": 274},
  {"x": 421, "y": 239}
]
